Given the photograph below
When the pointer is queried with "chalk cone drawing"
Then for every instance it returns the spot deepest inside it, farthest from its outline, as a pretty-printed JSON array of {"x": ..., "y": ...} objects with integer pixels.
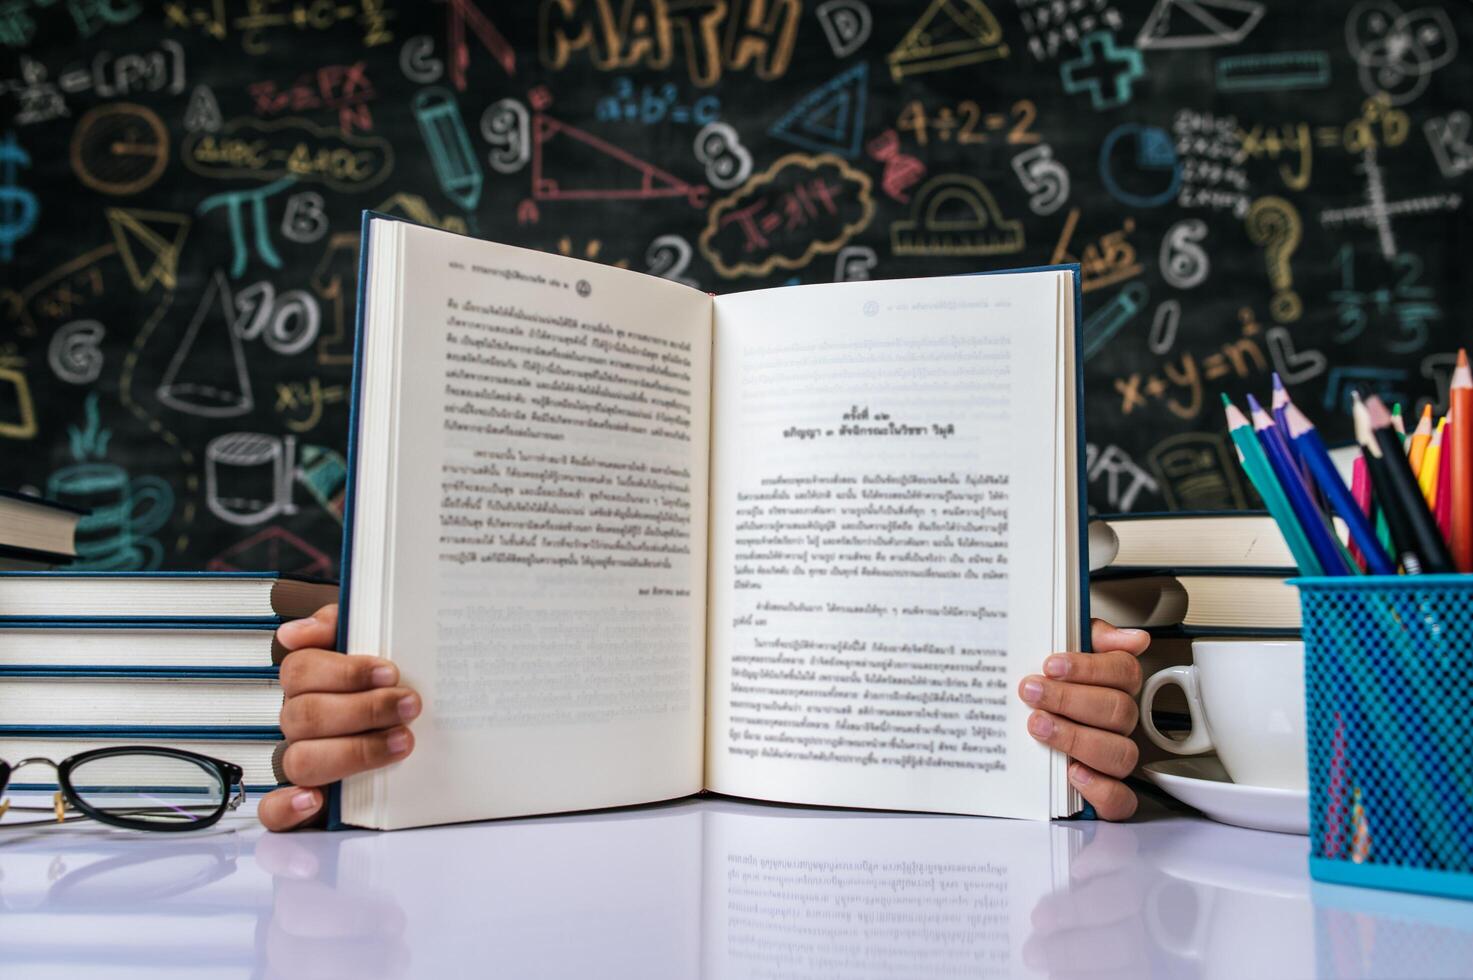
[{"x": 207, "y": 375}]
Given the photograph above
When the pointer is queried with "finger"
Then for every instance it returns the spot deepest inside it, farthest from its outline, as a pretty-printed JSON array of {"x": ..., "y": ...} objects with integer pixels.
[
  {"x": 327, "y": 760},
  {"x": 318, "y": 630},
  {"x": 1112, "y": 799},
  {"x": 311, "y": 670},
  {"x": 1113, "y": 668},
  {"x": 1103, "y": 636},
  {"x": 289, "y": 808},
  {"x": 1104, "y": 752},
  {"x": 326, "y": 715},
  {"x": 1097, "y": 707}
]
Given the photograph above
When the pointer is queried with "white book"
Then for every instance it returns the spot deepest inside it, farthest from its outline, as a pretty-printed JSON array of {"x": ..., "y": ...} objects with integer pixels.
[
  {"x": 130, "y": 702},
  {"x": 634, "y": 542}
]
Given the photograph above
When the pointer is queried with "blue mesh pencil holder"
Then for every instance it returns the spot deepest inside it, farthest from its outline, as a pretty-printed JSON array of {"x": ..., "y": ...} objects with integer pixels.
[{"x": 1387, "y": 667}]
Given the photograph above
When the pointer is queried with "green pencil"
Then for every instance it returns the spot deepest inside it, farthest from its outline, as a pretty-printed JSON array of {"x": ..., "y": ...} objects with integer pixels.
[{"x": 1256, "y": 465}]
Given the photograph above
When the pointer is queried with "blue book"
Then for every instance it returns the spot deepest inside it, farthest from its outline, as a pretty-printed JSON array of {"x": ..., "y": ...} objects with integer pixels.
[
  {"x": 121, "y": 699},
  {"x": 61, "y": 644},
  {"x": 266, "y": 597},
  {"x": 36, "y": 532},
  {"x": 632, "y": 542}
]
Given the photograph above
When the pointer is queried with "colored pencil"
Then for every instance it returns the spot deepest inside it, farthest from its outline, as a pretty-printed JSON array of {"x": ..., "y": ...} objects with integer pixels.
[
  {"x": 1307, "y": 443},
  {"x": 1399, "y": 426},
  {"x": 1321, "y": 538},
  {"x": 1260, "y": 474},
  {"x": 1443, "y": 509},
  {"x": 1427, "y": 475},
  {"x": 1461, "y": 463},
  {"x": 1360, "y": 489},
  {"x": 1418, "y": 543},
  {"x": 1421, "y": 438},
  {"x": 1278, "y": 406}
]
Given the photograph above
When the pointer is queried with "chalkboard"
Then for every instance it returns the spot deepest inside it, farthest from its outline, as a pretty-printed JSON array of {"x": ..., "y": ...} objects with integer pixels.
[{"x": 1249, "y": 186}]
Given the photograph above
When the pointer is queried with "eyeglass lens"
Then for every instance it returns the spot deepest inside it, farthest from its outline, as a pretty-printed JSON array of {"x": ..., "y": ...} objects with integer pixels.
[{"x": 150, "y": 789}]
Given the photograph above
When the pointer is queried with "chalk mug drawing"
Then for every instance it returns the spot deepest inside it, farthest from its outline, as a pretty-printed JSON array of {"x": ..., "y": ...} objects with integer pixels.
[{"x": 115, "y": 536}]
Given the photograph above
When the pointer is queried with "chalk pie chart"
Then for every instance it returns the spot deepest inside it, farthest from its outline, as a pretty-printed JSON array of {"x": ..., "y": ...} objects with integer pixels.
[{"x": 1139, "y": 165}]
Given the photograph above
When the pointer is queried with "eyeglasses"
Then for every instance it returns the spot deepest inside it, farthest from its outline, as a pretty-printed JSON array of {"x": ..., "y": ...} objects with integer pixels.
[{"x": 131, "y": 786}]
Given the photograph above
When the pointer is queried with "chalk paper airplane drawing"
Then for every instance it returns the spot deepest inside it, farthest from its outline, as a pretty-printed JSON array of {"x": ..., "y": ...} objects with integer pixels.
[
  {"x": 571, "y": 164},
  {"x": 949, "y": 34},
  {"x": 954, "y": 214},
  {"x": 1198, "y": 24},
  {"x": 830, "y": 119},
  {"x": 149, "y": 243}
]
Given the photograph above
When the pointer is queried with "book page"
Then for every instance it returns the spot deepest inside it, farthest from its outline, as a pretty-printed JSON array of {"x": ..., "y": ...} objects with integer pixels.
[
  {"x": 883, "y": 564},
  {"x": 807, "y": 895},
  {"x": 545, "y": 551}
]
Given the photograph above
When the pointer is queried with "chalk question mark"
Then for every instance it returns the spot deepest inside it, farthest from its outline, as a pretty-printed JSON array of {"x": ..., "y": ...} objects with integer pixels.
[{"x": 1274, "y": 224}]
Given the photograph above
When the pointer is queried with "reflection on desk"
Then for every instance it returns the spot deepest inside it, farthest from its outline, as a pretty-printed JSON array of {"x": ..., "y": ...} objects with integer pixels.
[{"x": 707, "y": 889}]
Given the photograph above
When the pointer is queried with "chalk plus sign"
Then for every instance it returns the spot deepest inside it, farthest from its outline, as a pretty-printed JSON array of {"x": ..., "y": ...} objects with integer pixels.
[{"x": 1105, "y": 70}]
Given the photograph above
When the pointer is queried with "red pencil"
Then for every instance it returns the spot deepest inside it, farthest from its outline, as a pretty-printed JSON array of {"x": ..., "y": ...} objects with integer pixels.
[
  {"x": 1360, "y": 489},
  {"x": 1461, "y": 469}
]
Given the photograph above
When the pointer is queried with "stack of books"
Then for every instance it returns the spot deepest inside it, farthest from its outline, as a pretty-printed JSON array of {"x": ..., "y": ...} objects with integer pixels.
[{"x": 183, "y": 659}]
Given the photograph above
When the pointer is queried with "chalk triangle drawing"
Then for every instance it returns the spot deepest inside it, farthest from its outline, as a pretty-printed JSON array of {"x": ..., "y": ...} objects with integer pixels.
[
  {"x": 830, "y": 119},
  {"x": 571, "y": 164},
  {"x": 207, "y": 376},
  {"x": 149, "y": 242},
  {"x": 949, "y": 34},
  {"x": 1198, "y": 23}
]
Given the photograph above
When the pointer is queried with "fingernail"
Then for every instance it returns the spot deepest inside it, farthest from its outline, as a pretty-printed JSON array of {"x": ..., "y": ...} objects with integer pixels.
[
  {"x": 1056, "y": 666},
  {"x": 291, "y": 627},
  {"x": 304, "y": 801},
  {"x": 1041, "y": 725},
  {"x": 398, "y": 742},
  {"x": 384, "y": 676},
  {"x": 1032, "y": 691},
  {"x": 1080, "y": 776},
  {"x": 409, "y": 706},
  {"x": 1132, "y": 632}
]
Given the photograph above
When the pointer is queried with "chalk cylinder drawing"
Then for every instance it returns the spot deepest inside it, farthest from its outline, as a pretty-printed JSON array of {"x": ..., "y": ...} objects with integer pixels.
[{"x": 248, "y": 477}]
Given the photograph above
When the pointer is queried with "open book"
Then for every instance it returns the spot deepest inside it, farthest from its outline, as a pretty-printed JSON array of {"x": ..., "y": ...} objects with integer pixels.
[{"x": 633, "y": 542}]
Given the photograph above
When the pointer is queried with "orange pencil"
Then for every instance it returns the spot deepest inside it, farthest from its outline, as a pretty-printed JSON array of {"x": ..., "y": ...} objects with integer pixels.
[
  {"x": 1421, "y": 438},
  {"x": 1427, "y": 475},
  {"x": 1461, "y": 461}
]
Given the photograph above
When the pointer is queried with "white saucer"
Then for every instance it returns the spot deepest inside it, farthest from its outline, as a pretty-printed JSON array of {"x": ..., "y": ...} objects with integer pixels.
[{"x": 1203, "y": 783}]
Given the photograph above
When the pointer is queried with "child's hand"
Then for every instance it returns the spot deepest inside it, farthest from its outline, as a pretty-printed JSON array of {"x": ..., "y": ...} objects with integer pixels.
[
  {"x": 342, "y": 715},
  {"x": 1086, "y": 709}
]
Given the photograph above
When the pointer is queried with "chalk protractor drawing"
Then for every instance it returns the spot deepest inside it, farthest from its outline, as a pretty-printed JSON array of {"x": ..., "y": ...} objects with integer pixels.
[
  {"x": 571, "y": 164},
  {"x": 949, "y": 34},
  {"x": 1198, "y": 23},
  {"x": 831, "y": 117},
  {"x": 954, "y": 214}
]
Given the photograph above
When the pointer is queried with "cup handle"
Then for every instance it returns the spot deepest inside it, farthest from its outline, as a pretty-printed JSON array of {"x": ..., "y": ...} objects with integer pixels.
[
  {"x": 1186, "y": 678},
  {"x": 153, "y": 502}
]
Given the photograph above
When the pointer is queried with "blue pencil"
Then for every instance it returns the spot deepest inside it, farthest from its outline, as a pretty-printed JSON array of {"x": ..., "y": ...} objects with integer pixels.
[
  {"x": 1279, "y": 407},
  {"x": 1311, "y": 449},
  {"x": 1326, "y": 548}
]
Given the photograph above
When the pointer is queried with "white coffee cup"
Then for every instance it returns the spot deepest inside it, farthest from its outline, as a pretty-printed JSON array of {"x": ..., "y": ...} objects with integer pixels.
[{"x": 1246, "y": 701}]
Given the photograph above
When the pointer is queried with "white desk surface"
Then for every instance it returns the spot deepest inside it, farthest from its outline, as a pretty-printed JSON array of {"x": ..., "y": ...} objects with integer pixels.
[{"x": 707, "y": 889}]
